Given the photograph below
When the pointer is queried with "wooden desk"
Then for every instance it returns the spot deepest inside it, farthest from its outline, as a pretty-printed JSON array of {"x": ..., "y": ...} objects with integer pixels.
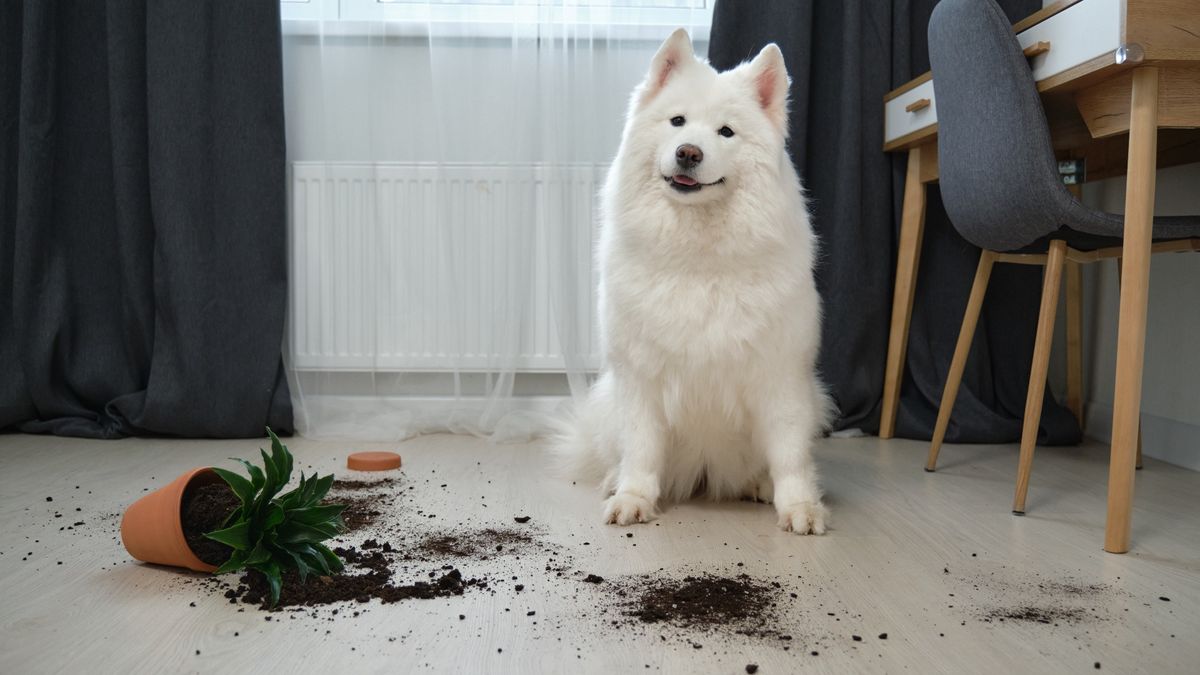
[{"x": 1112, "y": 73}]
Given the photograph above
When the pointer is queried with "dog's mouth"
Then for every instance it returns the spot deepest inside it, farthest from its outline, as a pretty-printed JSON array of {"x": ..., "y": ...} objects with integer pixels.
[{"x": 684, "y": 183}]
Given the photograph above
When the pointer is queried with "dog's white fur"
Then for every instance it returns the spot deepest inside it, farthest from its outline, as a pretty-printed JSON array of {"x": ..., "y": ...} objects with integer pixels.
[{"x": 709, "y": 315}]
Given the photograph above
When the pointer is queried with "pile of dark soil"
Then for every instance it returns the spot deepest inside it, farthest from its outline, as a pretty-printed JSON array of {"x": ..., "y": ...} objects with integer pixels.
[
  {"x": 368, "y": 576},
  {"x": 739, "y": 605},
  {"x": 204, "y": 509},
  {"x": 477, "y": 544}
]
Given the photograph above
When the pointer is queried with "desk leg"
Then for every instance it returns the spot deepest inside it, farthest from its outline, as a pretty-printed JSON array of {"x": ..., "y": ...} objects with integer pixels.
[
  {"x": 912, "y": 229},
  {"x": 1075, "y": 340},
  {"x": 1135, "y": 283}
]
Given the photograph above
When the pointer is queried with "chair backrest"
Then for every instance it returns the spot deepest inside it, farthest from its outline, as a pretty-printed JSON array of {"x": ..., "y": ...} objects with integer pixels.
[{"x": 999, "y": 179}]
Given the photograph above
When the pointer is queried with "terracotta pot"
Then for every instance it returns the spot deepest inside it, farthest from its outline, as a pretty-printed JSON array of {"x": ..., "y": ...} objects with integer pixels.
[{"x": 152, "y": 529}]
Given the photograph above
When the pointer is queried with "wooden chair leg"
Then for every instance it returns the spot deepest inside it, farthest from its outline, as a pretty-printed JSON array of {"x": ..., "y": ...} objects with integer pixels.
[
  {"x": 1135, "y": 287},
  {"x": 1051, "y": 282},
  {"x": 965, "y": 335},
  {"x": 1138, "y": 464},
  {"x": 1075, "y": 340},
  {"x": 908, "y": 258}
]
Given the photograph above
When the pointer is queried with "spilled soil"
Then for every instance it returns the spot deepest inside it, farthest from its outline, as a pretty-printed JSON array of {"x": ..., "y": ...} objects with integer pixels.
[
  {"x": 478, "y": 544},
  {"x": 360, "y": 485},
  {"x": 368, "y": 576},
  {"x": 204, "y": 509},
  {"x": 739, "y": 605},
  {"x": 1033, "y": 614}
]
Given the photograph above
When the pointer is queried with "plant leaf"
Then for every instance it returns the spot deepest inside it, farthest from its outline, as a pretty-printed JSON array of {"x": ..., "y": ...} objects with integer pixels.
[
  {"x": 271, "y": 486},
  {"x": 299, "y": 563},
  {"x": 313, "y": 515},
  {"x": 323, "y": 485},
  {"x": 314, "y": 559},
  {"x": 293, "y": 532},
  {"x": 256, "y": 475},
  {"x": 270, "y": 570},
  {"x": 331, "y": 559},
  {"x": 275, "y": 516},
  {"x": 295, "y": 497},
  {"x": 259, "y": 555},
  {"x": 281, "y": 457},
  {"x": 235, "y": 562},
  {"x": 233, "y": 517},
  {"x": 240, "y": 486},
  {"x": 237, "y": 536}
]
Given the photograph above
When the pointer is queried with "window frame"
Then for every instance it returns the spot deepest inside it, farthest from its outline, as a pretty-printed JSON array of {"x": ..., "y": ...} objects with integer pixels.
[{"x": 598, "y": 19}]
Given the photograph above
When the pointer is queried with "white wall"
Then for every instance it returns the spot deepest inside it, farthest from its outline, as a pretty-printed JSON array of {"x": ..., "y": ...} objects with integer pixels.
[{"x": 1171, "y": 380}]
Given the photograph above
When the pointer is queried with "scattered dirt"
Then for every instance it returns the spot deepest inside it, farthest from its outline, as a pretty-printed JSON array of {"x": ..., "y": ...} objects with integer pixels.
[
  {"x": 1052, "y": 602},
  {"x": 479, "y": 544},
  {"x": 368, "y": 576},
  {"x": 1032, "y": 614},
  {"x": 204, "y": 509},
  {"x": 739, "y": 605},
  {"x": 359, "y": 485},
  {"x": 361, "y": 511}
]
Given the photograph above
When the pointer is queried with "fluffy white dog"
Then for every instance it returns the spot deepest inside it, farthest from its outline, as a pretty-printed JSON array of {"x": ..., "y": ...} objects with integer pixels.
[{"x": 709, "y": 315}]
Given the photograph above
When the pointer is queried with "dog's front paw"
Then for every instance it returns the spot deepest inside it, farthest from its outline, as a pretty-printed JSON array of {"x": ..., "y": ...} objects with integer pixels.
[
  {"x": 803, "y": 518},
  {"x": 626, "y": 508}
]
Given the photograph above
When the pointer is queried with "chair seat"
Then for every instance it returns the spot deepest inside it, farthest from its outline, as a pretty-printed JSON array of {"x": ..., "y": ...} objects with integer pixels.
[{"x": 1166, "y": 228}]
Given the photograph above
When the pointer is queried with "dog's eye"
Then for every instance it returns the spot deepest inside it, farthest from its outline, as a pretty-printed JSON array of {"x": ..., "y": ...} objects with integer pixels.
[
  {"x": 678, "y": 121},
  {"x": 726, "y": 132}
]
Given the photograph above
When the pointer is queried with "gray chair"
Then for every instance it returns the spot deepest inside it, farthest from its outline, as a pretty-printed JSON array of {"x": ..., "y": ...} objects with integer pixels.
[{"x": 1002, "y": 190}]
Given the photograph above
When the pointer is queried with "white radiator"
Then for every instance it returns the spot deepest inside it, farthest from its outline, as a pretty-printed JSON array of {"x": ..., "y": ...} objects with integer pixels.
[{"x": 435, "y": 267}]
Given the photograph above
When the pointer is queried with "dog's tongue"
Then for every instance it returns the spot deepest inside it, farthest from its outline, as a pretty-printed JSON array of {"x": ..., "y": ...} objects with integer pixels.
[{"x": 684, "y": 180}]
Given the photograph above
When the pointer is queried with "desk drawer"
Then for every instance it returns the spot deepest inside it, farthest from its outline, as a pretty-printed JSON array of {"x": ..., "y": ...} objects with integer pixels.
[
  {"x": 908, "y": 112},
  {"x": 1076, "y": 35}
]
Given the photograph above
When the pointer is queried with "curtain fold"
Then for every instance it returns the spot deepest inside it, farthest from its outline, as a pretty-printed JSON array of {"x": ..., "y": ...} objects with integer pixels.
[
  {"x": 143, "y": 279},
  {"x": 843, "y": 57}
]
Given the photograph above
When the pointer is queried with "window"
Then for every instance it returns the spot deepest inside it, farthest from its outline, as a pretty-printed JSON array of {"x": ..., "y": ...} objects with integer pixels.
[{"x": 628, "y": 18}]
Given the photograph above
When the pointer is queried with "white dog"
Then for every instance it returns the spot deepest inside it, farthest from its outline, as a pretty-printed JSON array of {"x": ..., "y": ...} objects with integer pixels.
[{"x": 709, "y": 315}]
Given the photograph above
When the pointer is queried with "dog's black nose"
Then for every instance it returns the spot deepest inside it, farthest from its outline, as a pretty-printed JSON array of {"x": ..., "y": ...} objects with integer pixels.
[{"x": 688, "y": 155}]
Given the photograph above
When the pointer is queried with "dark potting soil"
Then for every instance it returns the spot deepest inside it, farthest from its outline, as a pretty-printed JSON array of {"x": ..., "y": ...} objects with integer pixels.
[
  {"x": 204, "y": 509},
  {"x": 357, "y": 485},
  {"x": 361, "y": 511},
  {"x": 368, "y": 576},
  {"x": 480, "y": 544},
  {"x": 737, "y": 605},
  {"x": 1032, "y": 614}
]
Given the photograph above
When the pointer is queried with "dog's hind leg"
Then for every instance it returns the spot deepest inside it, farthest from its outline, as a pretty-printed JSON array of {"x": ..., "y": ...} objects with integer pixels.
[{"x": 760, "y": 489}]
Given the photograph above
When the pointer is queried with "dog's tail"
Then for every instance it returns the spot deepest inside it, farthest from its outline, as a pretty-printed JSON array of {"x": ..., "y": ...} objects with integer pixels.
[{"x": 577, "y": 452}]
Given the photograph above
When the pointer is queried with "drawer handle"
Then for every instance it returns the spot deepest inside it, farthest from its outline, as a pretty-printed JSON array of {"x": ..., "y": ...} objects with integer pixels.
[
  {"x": 1036, "y": 48},
  {"x": 919, "y": 104}
]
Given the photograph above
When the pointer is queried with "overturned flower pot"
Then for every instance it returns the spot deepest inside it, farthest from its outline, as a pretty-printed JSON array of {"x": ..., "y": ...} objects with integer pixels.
[
  {"x": 152, "y": 529},
  {"x": 215, "y": 520}
]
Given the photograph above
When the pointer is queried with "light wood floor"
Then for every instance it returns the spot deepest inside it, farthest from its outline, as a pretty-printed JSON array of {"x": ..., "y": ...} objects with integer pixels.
[{"x": 922, "y": 557}]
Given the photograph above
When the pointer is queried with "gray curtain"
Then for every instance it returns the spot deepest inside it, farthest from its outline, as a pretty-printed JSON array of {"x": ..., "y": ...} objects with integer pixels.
[
  {"x": 843, "y": 56},
  {"x": 142, "y": 218}
]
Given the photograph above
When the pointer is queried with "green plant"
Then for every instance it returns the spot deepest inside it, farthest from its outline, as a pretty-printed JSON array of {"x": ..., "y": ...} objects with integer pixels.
[{"x": 272, "y": 533}]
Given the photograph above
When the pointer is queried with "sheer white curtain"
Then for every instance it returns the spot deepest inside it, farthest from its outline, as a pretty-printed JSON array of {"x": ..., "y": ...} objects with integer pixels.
[{"x": 444, "y": 161}]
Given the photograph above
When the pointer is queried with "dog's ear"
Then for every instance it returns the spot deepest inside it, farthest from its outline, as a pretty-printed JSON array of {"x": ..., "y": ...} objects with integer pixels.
[
  {"x": 675, "y": 54},
  {"x": 769, "y": 77}
]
